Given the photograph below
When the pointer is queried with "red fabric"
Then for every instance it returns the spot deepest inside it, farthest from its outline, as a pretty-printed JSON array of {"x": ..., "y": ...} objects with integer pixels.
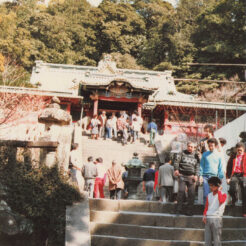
[
  {"x": 98, "y": 188},
  {"x": 156, "y": 179},
  {"x": 206, "y": 208},
  {"x": 121, "y": 122},
  {"x": 238, "y": 164},
  {"x": 102, "y": 120},
  {"x": 221, "y": 197},
  {"x": 243, "y": 161}
]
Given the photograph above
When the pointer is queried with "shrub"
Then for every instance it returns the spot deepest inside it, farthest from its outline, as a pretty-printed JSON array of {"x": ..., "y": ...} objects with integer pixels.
[{"x": 40, "y": 194}]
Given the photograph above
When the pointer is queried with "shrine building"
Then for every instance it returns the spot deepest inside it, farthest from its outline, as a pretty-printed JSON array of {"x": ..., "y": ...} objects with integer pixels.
[{"x": 151, "y": 93}]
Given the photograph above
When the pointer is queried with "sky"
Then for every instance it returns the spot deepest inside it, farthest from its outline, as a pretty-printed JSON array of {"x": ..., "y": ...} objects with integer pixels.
[{"x": 97, "y": 2}]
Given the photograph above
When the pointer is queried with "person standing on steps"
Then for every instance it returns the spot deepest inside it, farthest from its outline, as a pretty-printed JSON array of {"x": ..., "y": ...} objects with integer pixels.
[
  {"x": 209, "y": 133},
  {"x": 103, "y": 119},
  {"x": 152, "y": 129},
  {"x": 186, "y": 168},
  {"x": 100, "y": 179},
  {"x": 115, "y": 181},
  {"x": 136, "y": 127},
  {"x": 114, "y": 125},
  {"x": 221, "y": 153},
  {"x": 165, "y": 180},
  {"x": 213, "y": 212},
  {"x": 95, "y": 123},
  {"x": 236, "y": 176},
  {"x": 210, "y": 165},
  {"x": 89, "y": 172},
  {"x": 109, "y": 128},
  {"x": 125, "y": 132},
  {"x": 121, "y": 122},
  {"x": 76, "y": 166},
  {"x": 125, "y": 180},
  {"x": 149, "y": 181}
]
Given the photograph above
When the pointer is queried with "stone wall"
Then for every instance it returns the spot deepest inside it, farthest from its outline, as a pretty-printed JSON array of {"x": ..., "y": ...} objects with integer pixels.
[{"x": 77, "y": 224}]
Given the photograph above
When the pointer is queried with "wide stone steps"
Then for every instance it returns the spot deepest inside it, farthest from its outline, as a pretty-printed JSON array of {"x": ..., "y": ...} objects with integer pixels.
[
  {"x": 111, "y": 150},
  {"x": 152, "y": 207},
  {"x": 126, "y": 241},
  {"x": 160, "y": 219},
  {"x": 141, "y": 223},
  {"x": 162, "y": 233}
]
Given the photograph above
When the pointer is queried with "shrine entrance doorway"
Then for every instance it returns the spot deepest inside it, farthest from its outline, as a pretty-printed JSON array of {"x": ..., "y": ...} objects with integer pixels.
[{"x": 117, "y": 107}]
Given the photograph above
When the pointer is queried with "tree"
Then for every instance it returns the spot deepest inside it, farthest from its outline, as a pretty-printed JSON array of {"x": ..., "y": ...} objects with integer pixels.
[
  {"x": 220, "y": 37},
  {"x": 156, "y": 15},
  {"x": 40, "y": 194},
  {"x": 125, "y": 61},
  {"x": 120, "y": 29},
  {"x": 16, "y": 106},
  {"x": 13, "y": 74},
  {"x": 1, "y": 63}
]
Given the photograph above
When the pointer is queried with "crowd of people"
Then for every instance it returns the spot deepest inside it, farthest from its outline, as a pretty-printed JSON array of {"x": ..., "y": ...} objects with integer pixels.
[
  {"x": 94, "y": 175},
  {"x": 125, "y": 127},
  {"x": 178, "y": 178},
  {"x": 202, "y": 164}
]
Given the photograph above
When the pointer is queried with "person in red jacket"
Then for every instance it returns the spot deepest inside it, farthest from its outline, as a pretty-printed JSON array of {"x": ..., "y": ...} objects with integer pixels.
[
  {"x": 100, "y": 179},
  {"x": 237, "y": 176},
  {"x": 213, "y": 212}
]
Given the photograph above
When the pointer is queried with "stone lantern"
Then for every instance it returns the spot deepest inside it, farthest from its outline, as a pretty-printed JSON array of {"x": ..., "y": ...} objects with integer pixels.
[
  {"x": 58, "y": 128},
  {"x": 134, "y": 178}
]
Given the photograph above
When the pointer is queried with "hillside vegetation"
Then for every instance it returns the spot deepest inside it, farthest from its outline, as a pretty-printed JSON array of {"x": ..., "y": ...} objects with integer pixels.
[{"x": 149, "y": 34}]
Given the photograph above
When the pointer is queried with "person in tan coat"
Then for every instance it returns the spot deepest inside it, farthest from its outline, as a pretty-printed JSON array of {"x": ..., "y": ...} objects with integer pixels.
[{"x": 116, "y": 183}]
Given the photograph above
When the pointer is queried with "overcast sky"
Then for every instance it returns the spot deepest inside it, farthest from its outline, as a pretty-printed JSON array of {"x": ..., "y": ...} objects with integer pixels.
[{"x": 97, "y": 2}]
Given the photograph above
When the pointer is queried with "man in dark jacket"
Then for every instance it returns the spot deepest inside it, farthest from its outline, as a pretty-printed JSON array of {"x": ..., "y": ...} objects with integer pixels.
[
  {"x": 236, "y": 176},
  {"x": 186, "y": 167},
  {"x": 149, "y": 181}
]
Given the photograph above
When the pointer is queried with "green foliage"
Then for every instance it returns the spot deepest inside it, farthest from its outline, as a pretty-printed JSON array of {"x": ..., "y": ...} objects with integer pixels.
[
  {"x": 220, "y": 37},
  {"x": 163, "y": 66},
  {"x": 12, "y": 74},
  {"x": 196, "y": 87},
  {"x": 150, "y": 32},
  {"x": 119, "y": 29},
  {"x": 1, "y": 63},
  {"x": 40, "y": 194},
  {"x": 125, "y": 61}
]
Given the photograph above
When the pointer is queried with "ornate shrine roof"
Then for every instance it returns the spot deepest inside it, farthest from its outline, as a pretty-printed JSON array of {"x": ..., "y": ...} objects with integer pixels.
[{"x": 61, "y": 78}]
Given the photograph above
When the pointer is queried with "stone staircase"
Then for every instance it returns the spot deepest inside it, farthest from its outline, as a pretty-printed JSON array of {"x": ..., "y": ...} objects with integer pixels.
[
  {"x": 113, "y": 150},
  {"x": 141, "y": 223}
]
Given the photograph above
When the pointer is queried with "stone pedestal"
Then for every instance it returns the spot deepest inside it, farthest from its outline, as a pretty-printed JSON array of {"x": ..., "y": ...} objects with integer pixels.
[
  {"x": 57, "y": 124},
  {"x": 77, "y": 224},
  {"x": 133, "y": 179}
]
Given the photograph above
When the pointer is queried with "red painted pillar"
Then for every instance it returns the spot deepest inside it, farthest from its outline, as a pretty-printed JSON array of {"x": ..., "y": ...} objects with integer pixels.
[
  {"x": 95, "y": 108},
  {"x": 140, "y": 109},
  {"x": 69, "y": 108},
  {"x": 192, "y": 118},
  {"x": 165, "y": 120},
  {"x": 192, "y": 124}
]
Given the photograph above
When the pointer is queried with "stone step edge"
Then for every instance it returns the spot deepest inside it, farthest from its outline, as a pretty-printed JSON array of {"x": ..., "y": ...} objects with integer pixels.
[
  {"x": 161, "y": 241},
  {"x": 162, "y": 214},
  {"x": 163, "y": 227},
  {"x": 144, "y": 239},
  {"x": 138, "y": 206}
]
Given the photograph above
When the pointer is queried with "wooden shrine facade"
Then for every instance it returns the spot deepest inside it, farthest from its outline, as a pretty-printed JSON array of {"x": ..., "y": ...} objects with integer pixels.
[
  {"x": 191, "y": 120},
  {"x": 117, "y": 96},
  {"x": 151, "y": 93}
]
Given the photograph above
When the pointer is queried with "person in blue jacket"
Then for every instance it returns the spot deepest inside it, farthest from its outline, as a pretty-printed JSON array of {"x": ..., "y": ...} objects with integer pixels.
[
  {"x": 210, "y": 166},
  {"x": 152, "y": 129}
]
